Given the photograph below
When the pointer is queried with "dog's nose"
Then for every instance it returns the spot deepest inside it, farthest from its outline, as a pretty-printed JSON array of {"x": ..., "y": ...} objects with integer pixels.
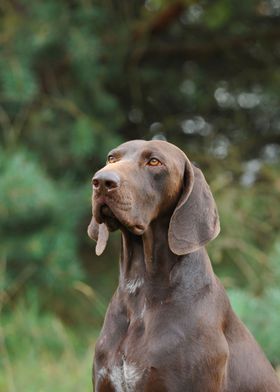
[{"x": 106, "y": 181}]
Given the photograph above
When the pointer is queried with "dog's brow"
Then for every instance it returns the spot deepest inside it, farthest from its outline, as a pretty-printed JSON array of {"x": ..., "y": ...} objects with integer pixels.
[
  {"x": 117, "y": 153},
  {"x": 151, "y": 153}
]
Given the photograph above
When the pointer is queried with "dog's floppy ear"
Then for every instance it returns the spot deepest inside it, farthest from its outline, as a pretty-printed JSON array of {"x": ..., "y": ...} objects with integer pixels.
[
  {"x": 195, "y": 220},
  {"x": 99, "y": 233}
]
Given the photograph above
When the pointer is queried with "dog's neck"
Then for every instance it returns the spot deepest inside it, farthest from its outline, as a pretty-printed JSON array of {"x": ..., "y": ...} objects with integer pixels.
[
  {"x": 147, "y": 256},
  {"x": 148, "y": 261}
]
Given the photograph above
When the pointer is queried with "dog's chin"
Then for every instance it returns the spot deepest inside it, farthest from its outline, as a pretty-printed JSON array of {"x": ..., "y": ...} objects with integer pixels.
[
  {"x": 114, "y": 220},
  {"x": 106, "y": 215}
]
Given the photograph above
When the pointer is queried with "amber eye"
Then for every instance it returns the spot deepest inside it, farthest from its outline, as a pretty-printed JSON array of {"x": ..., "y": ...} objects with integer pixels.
[
  {"x": 154, "y": 162},
  {"x": 111, "y": 159}
]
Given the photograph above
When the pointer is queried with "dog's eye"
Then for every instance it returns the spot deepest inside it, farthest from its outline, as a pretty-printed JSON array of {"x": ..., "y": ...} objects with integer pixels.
[
  {"x": 154, "y": 162},
  {"x": 111, "y": 159}
]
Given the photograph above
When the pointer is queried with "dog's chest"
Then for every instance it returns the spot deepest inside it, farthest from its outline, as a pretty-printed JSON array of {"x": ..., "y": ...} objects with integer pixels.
[
  {"x": 130, "y": 347},
  {"x": 117, "y": 350},
  {"x": 115, "y": 365}
]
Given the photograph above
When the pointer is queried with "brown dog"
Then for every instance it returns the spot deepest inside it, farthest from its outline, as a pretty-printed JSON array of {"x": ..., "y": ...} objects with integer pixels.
[{"x": 169, "y": 326}]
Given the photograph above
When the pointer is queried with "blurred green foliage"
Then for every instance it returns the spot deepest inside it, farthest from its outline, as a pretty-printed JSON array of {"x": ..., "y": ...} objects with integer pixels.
[
  {"x": 42, "y": 354},
  {"x": 261, "y": 313},
  {"x": 79, "y": 77}
]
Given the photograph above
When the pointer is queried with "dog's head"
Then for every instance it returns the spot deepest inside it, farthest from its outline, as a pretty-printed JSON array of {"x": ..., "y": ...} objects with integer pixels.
[{"x": 144, "y": 180}]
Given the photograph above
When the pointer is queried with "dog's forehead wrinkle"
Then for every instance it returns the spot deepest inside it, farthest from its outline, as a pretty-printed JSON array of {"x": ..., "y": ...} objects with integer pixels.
[{"x": 149, "y": 152}]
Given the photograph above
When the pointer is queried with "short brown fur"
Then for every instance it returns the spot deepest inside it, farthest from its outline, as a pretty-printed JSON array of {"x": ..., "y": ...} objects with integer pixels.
[{"x": 169, "y": 326}]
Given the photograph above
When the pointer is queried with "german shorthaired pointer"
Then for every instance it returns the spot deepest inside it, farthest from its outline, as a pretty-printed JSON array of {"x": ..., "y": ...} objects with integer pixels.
[{"x": 169, "y": 326}]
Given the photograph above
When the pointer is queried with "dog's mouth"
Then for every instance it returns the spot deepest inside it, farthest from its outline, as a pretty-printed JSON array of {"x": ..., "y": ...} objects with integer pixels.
[
  {"x": 106, "y": 212},
  {"x": 106, "y": 215},
  {"x": 116, "y": 220}
]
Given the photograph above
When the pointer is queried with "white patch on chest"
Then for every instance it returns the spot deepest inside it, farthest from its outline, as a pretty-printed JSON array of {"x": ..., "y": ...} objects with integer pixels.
[
  {"x": 132, "y": 375},
  {"x": 124, "y": 378},
  {"x": 132, "y": 285},
  {"x": 116, "y": 377},
  {"x": 102, "y": 373}
]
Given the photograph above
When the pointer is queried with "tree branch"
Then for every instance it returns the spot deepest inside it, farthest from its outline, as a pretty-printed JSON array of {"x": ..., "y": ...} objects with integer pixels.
[
  {"x": 160, "y": 21},
  {"x": 213, "y": 46}
]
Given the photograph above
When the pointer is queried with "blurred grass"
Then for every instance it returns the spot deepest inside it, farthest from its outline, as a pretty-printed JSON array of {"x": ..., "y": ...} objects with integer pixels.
[
  {"x": 40, "y": 354},
  {"x": 261, "y": 316}
]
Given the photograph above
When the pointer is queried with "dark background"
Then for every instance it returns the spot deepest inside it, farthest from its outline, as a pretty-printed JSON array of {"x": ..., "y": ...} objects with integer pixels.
[{"x": 78, "y": 77}]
